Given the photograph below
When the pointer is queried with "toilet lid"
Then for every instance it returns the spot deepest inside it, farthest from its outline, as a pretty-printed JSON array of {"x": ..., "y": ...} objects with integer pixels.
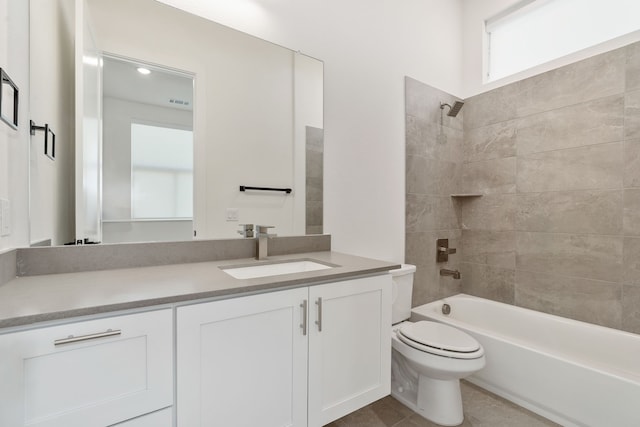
[{"x": 439, "y": 336}]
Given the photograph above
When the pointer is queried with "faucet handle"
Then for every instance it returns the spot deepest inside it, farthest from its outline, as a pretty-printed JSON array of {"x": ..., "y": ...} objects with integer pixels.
[{"x": 247, "y": 230}]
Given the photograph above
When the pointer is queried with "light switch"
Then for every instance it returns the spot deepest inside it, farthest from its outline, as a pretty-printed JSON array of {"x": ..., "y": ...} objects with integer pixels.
[
  {"x": 233, "y": 214},
  {"x": 5, "y": 218}
]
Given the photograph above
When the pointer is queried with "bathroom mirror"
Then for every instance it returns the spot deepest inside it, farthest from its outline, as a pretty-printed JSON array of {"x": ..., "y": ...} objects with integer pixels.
[
  {"x": 9, "y": 96},
  {"x": 147, "y": 152},
  {"x": 257, "y": 121}
]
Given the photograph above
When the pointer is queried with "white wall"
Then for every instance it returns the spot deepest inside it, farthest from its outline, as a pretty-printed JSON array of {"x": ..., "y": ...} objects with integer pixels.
[
  {"x": 367, "y": 47},
  {"x": 474, "y": 14},
  {"x": 52, "y": 102},
  {"x": 14, "y": 144}
]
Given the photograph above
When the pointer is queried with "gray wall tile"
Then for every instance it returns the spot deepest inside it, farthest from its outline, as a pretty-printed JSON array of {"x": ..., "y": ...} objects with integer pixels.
[
  {"x": 589, "y": 123},
  {"x": 633, "y": 67},
  {"x": 315, "y": 190},
  {"x": 314, "y": 213},
  {"x": 591, "y": 167},
  {"x": 571, "y": 221},
  {"x": 430, "y": 286},
  {"x": 632, "y": 114},
  {"x": 492, "y": 107},
  {"x": 433, "y": 171},
  {"x": 491, "y": 212},
  {"x": 495, "y": 248},
  {"x": 426, "y": 176},
  {"x": 493, "y": 141},
  {"x": 581, "y": 299},
  {"x": 432, "y": 140},
  {"x": 588, "y": 211},
  {"x": 574, "y": 83},
  {"x": 631, "y": 219},
  {"x": 314, "y": 164},
  {"x": 577, "y": 255},
  {"x": 485, "y": 281},
  {"x": 631, "y": 261},
  {"x": 428, "y": 213},
  {"x": 489, "y": 176},
  {"x": 8, "y": 266},
  {"x": 631, "y": 309},
  {"x": 314, "y": 154},
  {"x": 632, "y": 163}
]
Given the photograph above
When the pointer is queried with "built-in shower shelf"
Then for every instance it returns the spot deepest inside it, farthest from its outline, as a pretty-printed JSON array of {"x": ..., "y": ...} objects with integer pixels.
[{"x": 462, "y": 195}]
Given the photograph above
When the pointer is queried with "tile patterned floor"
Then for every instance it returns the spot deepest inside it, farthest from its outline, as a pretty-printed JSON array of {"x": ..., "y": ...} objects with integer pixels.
[{"x": 481, "y": 409}]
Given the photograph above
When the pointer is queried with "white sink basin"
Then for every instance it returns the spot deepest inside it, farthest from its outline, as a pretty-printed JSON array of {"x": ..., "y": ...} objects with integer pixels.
[{"x": 274, "y": 269}]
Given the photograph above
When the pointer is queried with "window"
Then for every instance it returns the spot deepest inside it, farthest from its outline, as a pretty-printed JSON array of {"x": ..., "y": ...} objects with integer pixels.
[
  {"x": 161, "y": 172},
  {"x": 533, "y": 32}
]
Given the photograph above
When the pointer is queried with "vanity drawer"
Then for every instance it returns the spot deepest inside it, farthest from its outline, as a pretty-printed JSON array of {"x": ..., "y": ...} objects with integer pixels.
[{"x": 97, "y": 372}]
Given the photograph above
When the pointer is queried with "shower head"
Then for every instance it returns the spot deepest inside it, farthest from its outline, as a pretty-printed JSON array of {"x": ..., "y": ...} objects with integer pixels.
[{"x": 453, "y": 111}]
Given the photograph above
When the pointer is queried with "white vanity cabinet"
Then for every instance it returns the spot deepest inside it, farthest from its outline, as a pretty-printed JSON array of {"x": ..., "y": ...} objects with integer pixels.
[
  {"x": 257, "y": 360},
  {"x": 349, "y": 346},
  {"x": 243, "y": 361},
  {"x": 89, "y": 373}
]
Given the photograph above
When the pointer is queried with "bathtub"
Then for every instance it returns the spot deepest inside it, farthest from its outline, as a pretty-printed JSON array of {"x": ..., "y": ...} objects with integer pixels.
[{"x": 571, "y": 372}]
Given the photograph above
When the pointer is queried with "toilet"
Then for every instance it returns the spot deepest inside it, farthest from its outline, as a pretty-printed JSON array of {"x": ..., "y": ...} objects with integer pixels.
[{"x": 429, "y": 358}]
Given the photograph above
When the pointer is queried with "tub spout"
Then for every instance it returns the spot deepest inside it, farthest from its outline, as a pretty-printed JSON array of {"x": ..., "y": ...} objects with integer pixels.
[{"x": 454, "y": 273}]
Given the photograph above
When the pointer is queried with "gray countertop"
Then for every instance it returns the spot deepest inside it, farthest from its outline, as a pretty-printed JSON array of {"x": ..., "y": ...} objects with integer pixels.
[{"x": 32, "y": 299}]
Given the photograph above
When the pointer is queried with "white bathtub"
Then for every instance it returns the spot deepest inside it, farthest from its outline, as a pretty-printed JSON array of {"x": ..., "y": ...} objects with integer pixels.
[{"x": 571, "y": 372}]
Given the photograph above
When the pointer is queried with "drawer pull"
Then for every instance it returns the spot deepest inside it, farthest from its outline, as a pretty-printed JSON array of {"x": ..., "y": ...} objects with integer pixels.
[{"x": 71, "y": 339}]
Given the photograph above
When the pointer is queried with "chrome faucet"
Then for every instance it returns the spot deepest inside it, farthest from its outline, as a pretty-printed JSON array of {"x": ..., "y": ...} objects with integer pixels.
[
  {"x": 262, "y": 238},
  {"x": 454, "y": 273}
]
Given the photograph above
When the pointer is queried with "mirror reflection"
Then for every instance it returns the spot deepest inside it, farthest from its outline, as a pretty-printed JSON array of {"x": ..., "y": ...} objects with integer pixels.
[
  {"x": 147, "y": 146},
  {"x": 254, "y": 116}
]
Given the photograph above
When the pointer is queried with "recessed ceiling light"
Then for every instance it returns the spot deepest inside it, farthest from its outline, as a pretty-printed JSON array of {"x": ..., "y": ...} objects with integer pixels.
[{"x": 144, "y": 71}]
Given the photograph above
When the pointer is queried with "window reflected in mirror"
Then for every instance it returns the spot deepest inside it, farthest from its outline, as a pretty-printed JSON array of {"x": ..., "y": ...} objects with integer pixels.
[{"x": 161, "y": 172}]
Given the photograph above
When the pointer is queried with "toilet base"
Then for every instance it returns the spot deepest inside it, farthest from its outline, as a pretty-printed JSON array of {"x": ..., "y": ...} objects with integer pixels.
[{"x": 438, "y": 401}]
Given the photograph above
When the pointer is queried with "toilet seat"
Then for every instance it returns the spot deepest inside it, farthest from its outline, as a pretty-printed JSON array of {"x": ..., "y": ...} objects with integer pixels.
[{"x": 439, "y": 339}]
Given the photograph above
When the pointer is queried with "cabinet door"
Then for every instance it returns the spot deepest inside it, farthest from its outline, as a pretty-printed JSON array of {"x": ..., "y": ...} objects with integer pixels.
[
  {"x": 97, "y": 372},
  {"x": 243, "y": 362},
  {"x": 349, "y": 346}
]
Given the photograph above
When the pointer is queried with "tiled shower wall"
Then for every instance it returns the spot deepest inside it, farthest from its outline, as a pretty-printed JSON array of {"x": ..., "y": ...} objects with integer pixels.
[
  {"x": 557, "y": 157},
  {"x": 433, "y": 173},
  {"x": 314, "y": 194}
]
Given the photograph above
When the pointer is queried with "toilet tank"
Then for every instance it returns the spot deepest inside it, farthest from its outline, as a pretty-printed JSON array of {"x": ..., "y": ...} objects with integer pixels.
[{"x": 401, "y": 293}]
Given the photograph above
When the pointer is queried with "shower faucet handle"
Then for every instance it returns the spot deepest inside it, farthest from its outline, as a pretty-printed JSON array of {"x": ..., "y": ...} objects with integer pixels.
[
  {"x": 447, "y": 250},
  {"x": 443, "y": 250}
]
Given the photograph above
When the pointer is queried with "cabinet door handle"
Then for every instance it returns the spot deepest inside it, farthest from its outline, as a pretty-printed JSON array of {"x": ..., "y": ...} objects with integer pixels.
[
  {"x": 304, "y": 317},
  {"x": 319, "y": 321},
  {"x": 71, "y": 339}
]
